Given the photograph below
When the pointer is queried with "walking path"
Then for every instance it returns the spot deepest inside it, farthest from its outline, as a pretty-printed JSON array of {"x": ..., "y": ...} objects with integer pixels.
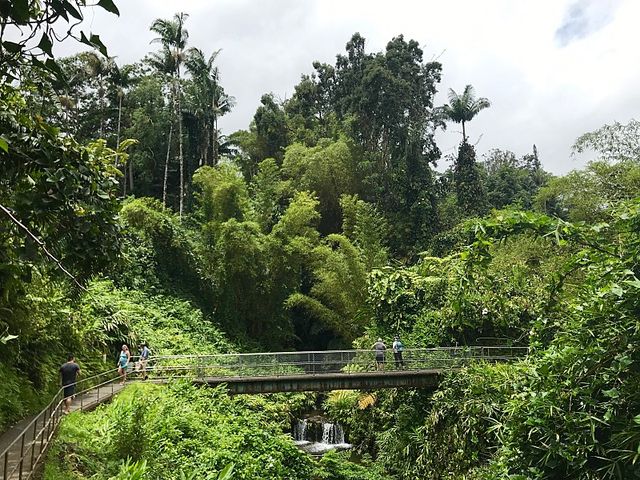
[{"x": 29, "y": 437}]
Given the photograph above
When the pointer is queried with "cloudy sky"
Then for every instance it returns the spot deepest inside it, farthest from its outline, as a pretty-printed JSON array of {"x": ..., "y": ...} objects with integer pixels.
[{"x": 553, "y": 69}]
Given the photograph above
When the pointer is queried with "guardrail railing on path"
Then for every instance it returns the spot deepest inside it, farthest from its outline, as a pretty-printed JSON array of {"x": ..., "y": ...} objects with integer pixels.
[{"x": 19, "y": 458}]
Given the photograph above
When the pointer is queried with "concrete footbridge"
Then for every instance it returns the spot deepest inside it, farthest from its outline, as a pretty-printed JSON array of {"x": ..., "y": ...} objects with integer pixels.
[{"x": 23, "y": 447}]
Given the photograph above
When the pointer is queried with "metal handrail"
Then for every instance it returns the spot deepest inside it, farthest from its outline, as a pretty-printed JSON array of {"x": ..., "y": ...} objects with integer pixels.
[{"x": 325, "y": 361}]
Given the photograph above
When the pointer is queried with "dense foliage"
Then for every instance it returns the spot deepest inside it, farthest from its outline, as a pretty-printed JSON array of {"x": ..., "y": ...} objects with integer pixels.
[
  {"x": 127, "y": 215},
  {"x": 569, "y": 410},
  {"x": 177, "y": 432}
]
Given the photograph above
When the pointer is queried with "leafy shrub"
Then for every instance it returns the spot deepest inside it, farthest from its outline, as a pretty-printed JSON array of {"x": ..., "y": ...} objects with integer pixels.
[
  {"x": 338, "y": 466},
  {"x": 199, "y": 431},
  {"x": 340, "y": 403},
  {"x": 168, "y": 324}
]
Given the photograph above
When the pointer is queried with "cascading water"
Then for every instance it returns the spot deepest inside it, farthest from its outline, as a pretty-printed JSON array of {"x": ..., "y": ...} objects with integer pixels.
[
  {"x": 300, "y": 430},
  {"x": 332, "y": 434},
  {"x": 317, "y": 436}
]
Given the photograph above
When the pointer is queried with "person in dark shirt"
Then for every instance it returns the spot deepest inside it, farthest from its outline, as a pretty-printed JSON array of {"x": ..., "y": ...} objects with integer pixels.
[{"x": 69, "y": 373}]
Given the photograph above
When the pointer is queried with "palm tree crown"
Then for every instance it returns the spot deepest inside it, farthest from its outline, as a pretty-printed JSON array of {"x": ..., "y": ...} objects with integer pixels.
[
  {"x": 462, "y": 108},
  {"x": 173, "y": 37},
  {"x": 211, "y": 101}
]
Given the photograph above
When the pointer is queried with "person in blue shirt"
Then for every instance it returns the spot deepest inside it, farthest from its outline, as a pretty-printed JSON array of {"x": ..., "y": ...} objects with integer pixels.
[
  {"x": 144, "y": 358},
  {"x": 123, "y": 363},
  {"x": 397, "y": 348}
]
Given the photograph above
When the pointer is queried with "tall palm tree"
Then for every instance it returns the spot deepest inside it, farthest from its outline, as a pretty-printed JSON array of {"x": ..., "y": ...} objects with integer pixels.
[
  {"x": 173, "y": 38},
  {"x": 222, "y": 103},
  {"x": 163, "y": 62},
  {"x": 462, "y": 108},
  {"x": 213, "y": 101}
]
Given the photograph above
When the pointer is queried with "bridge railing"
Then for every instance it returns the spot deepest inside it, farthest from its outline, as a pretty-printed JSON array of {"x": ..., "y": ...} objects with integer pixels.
[{"x": 328, "y": 361}]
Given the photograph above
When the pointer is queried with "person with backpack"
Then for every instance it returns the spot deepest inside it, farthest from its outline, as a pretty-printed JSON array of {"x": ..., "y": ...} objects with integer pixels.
[{"x": 398, "y": 348}]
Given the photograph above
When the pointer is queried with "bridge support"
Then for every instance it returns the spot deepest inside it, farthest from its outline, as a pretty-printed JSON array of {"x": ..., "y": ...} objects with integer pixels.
[{"x": 327, "y": 381}]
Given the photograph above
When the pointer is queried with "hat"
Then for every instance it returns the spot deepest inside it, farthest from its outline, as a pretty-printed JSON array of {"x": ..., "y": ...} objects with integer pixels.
[{"x": 379, "y": 339}]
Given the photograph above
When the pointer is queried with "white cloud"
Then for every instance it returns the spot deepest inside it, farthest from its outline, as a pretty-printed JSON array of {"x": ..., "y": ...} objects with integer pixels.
[{"x": 552, "y": 69}]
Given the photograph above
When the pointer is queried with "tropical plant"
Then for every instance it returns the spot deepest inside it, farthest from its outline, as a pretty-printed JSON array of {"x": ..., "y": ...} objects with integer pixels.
[
  {"x": 613, "y": 143},
  {"x": 181, "y": 432},
  {"x": 463, "y": 108},
  {"x": 20, "y": 55}
]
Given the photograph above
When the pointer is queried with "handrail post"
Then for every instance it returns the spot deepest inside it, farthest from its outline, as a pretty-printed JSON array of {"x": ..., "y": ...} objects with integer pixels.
[
  {"x": 6, "y": 466},
  {"x": 21, "y": 456},
  {"x": 42, "y": 435},
  {"x": 48, "y": 423},
  {"x": 33, "y": 443}
]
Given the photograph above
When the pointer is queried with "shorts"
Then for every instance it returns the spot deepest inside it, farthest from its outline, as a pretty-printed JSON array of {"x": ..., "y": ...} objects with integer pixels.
[
  {"x": 69, "y": 391},
  {"x": 379, "y": 358}
]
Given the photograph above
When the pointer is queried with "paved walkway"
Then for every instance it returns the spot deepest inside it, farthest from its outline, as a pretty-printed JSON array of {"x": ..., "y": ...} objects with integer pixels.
[{"x": 32, "y": 449}]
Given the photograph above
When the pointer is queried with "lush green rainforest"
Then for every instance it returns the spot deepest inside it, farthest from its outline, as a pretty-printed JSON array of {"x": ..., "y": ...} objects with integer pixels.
[{"x": 126, "y": 215}]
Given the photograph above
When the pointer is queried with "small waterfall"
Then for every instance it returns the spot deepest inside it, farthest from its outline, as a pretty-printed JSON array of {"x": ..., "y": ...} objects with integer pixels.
[
  {"x": 317, "y": 436},
  {"x": 300, "y": 430},
  {"x": 332, "y": 434}
]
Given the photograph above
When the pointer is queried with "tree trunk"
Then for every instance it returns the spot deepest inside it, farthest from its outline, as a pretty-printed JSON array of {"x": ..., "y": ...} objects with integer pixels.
[
  {"x": 101, "y": 95},
  {"x": 76, "y": 121},
  {"x": 124, "y": 187},
  {"x": 166, "y": 166},
  {"x": 166, "y": 162},
  {"x": 180, "y": 156},
  {"x": 464, "y": 134},
  {"x": 130, "y": 177},
  {"x": 124, "y": 181},
  {"x": 215, "y": 140}
]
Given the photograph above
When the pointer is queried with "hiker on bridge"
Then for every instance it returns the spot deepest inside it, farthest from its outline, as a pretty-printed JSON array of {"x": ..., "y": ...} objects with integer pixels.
[
  {"x": 144, "y": 358},
  {"x": 123, "y": 363},
  {"x": 398, "y": 348},
  {"x": 69, "y": 374},
  {"x": 379, "y": 348}
]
